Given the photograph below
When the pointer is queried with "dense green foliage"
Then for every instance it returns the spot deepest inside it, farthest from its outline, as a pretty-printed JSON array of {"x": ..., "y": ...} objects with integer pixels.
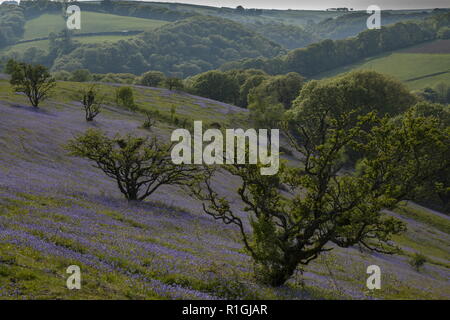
[
  {"x": 436, "y": 193},
  {"x": 152, "y": 78},
  {"x": 265, "y": 112},
  {"x": 216, "y": 85},
  {"x": 81, "y": 75},
  {"x": 368, "y": 91},
  {"x": 125, "y": 97},
  {"x": 194, "y": 45},
  {"x": 268, "y": 101},
  {"x": 360, "y": 91},
  {"x": 127, "y": 78},
  {"x": 365, "y": 91},
  {"x": 199, "y": 39},
  {"x": 279, "y": 89},
  {"x": 241, "y": 87}
]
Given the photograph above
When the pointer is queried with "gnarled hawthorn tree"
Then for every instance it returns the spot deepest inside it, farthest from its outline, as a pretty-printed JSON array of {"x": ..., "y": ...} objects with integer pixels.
[
  {"x": 139, "y": 165},
  {"x": 325, "y": 204},
  {"x": 92, "y": 102}
]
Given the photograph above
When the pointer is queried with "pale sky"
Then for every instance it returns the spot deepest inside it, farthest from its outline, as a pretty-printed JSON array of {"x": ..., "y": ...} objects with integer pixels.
[{"x": 322, "y": 4}]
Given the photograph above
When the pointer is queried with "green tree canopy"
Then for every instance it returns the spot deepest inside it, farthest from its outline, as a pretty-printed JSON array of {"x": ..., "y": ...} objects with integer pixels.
[
  {"x": 216, "y": 85},
  {"x": 33, "y": 80},
  {"x": 360, "y": 92},
  {"x": 280, "y": 89}
]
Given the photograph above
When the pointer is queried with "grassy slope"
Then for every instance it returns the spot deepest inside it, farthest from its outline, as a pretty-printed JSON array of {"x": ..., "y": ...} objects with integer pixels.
[
  {"x": 430, "y": 68},
  {"x": 56, "y": 211}
]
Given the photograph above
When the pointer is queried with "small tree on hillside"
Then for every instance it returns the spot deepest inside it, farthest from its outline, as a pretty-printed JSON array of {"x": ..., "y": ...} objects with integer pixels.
[
  {"x": 152, "y": 78},
  {"x": 138, "y": 165},
  {"x": 33, "y": 80},
  {"x": 216, "y": 85},
  {"x": 149, "y": 121},
  {"x": 173, "y": 83},
  {"x": 125, "y": 97},
  {"x": 92, "y": 102}
]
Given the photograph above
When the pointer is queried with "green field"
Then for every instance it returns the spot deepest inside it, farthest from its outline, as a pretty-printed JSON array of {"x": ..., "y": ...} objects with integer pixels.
[
  {"x": 90, "y": 22},
  {"x": 416, "y": 70}
]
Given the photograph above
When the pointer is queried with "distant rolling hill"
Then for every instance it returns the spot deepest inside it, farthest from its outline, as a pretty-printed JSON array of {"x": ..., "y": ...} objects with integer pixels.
[
  {"x": 288, "y": 17},
  {"x": 418, "y": 67}
]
